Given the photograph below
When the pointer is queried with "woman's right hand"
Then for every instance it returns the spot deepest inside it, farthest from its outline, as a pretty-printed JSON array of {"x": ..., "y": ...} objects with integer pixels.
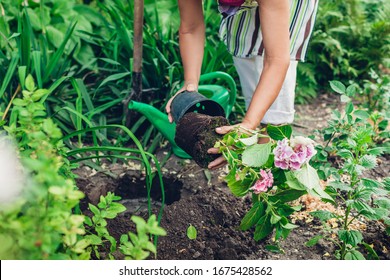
[{"x": 187, "y": 87}]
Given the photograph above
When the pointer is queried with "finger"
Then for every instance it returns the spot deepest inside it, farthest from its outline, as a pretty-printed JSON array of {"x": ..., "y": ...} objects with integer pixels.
[
  {"x": 216, "y": 162},
  {"x": 170, "y": 118},
  {"x": 190, "y": 87},
  {"x": 213, "y": 151},
  {"x": 224, "y": 129},
  {"x": 219, "y": 166}
]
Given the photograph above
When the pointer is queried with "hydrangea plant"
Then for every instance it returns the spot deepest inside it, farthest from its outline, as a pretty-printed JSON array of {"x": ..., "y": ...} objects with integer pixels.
[{"x": 275, "y": 173}]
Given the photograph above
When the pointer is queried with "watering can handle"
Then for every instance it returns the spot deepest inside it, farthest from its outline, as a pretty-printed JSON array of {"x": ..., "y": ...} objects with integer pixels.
[{"x": 228, "y": 79}]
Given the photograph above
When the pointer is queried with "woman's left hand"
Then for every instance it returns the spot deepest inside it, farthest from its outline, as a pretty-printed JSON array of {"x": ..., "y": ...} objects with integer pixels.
[{"x": 221, "y": 161}]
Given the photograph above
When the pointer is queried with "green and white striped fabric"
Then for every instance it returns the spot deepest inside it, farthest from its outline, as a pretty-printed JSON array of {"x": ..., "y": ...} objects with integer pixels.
[{"x": 241, "y": 32}]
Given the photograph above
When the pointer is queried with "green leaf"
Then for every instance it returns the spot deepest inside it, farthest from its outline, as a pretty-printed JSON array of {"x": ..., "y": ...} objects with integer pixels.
[
  {"x": 344, "y": 98},
  {"x": 116, "y": 208},
  {"x": 368, "y": 161},
  {"x": 263, "y": 228},
  {"x": 279, "y": 132},
  {"x": 361, "y": 114},
  {"x": 256, "y": 155},
  {"x": 339, "y": 186},
  {"x": 313, "y": 241},
  {"x": 372, "y": 255},
  {"x": 30, "y": 84},
  {"x": 308, "y": 177},
  {"x": 191, "y": 232},
  {"x": 354, "y": 255},
  {"x": 114, "y": 77},
  {"x": 94, "y": 209},
  {"x": 289, "y": 226},
  {"x": 323, "y": 215},
  {"x": 338, "y": 86},
  {"x": 253, "y": 216},
  {"x": 351, "y": 237},
  {"x": 94, "y": 239},
  {"x": 19, "y": 102},
  {"x": 344, "y": 153},
  {"x": 382, "y": 202},
  {"x": 319, "y": 192},
  {"x": 349, "y": 110},
  {"x": 286, "y": 196},
  {"x": 275, "y": 219},
  {"x": 371, "y": 183},
  {"x": 250, "y": 140},
  {"x": 351, "y": 90},
  {"x": 239, "y": 188}
]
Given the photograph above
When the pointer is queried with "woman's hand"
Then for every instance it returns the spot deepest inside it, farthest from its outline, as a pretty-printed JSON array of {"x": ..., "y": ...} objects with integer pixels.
[
  {"x": 221, "y": 161},
  {"x": 187, "y": 87}
]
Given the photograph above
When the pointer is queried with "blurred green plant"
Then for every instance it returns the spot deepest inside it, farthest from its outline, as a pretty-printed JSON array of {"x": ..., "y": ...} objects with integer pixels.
[
  {"x": 349, "y": 38},
  {"x": 350, "y": 137},
  {"x": 45, "y": 222}
]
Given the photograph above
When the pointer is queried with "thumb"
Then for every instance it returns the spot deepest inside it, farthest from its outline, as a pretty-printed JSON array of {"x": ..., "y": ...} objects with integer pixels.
[
  {"x": 190, "y": 87},
  {"x": 223, "y": 129}
]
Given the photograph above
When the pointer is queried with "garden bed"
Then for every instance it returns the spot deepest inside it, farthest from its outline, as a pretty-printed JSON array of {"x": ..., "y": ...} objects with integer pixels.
[{"x": 192, "y": 198}]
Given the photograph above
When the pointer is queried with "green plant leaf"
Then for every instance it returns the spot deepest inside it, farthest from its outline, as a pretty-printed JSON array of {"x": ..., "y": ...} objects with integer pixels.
[
  {"x": 338, "y": 86},
  {"x": 354, "y": 255},
  {"x": 191, "y": 232},
  {"x": 253, "y": 216},
  {"x": 313, "y": 241},
  {"x": 30, "y": 84},
  {"x": 279, "y": 132},
  {"x": 351, "y": 237},
  {"x": 275, "y": 218},
  {"x": 372, "y": 255},
  {"x": 94, "y": 209},
  {"x": 94, "y": 239},
  {"x": 308, "y": 177},
  {"x": 361, "y": 114},
  {"x": 256, "y": 155},
  {"x": 323, "y": 215},
  {"x": 286, "y": 196},
  {"x": 289, "y": 226},
  {"x": 368, "y": 161},
  {"x": 344, "y": 98},
  {"x": 263, "y": 228},
  {"x": 250, "y": 140}
]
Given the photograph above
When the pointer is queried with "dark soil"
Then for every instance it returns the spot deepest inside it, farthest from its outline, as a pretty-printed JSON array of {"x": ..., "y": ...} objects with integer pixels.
[
  {"x": 200, "y": 198},
  {"x": 195, "y": 134}
]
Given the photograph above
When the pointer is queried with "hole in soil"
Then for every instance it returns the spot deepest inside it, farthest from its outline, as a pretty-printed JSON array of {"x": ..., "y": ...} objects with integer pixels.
[{"x": 130, "y": 187}]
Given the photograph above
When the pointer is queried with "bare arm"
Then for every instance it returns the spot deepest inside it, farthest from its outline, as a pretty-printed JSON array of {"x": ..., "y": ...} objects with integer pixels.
[
  {"x": 274, "y": 21},
  {"x": 191, "y": 38}
]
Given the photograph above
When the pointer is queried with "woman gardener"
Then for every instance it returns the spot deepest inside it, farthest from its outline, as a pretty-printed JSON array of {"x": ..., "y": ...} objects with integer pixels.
[{"x": 267, "y": 38}]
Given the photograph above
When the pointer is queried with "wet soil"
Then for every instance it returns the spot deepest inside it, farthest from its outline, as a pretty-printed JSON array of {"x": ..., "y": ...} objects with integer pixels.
[{"x": 201, "y": 198}]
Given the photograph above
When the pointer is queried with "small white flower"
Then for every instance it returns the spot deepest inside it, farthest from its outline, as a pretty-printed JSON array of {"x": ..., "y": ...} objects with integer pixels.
[{"x": 300, "y": 140}]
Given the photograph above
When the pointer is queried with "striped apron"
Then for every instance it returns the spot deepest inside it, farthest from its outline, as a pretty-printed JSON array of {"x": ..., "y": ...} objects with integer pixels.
[{"x": 240, "y": 28}]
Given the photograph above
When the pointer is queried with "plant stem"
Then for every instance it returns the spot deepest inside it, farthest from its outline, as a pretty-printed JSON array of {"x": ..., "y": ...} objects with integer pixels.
[{"x": 10, "y": 103}]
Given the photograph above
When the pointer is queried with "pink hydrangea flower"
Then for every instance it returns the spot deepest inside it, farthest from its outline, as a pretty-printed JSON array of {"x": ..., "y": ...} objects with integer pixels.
[
  {"x": 283, "y": 153},
  {"x": 266, "y": 181},
  {"x": 294, "y": 154}
]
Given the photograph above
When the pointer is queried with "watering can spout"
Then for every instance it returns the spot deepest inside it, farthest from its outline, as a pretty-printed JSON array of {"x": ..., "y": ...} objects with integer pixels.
[
  {"x": 156, "y": 117},
  {"x": 160, "y": 122}
]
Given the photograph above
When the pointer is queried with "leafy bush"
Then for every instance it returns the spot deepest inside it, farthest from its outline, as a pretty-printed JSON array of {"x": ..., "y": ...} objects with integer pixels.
[
  {"x": 349, "y": 38},
  {"x": 352, "y": 134}
]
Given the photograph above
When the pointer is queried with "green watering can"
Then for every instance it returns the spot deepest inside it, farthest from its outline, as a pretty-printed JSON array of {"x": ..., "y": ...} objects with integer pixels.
[{"x": 217, "y": 93}]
